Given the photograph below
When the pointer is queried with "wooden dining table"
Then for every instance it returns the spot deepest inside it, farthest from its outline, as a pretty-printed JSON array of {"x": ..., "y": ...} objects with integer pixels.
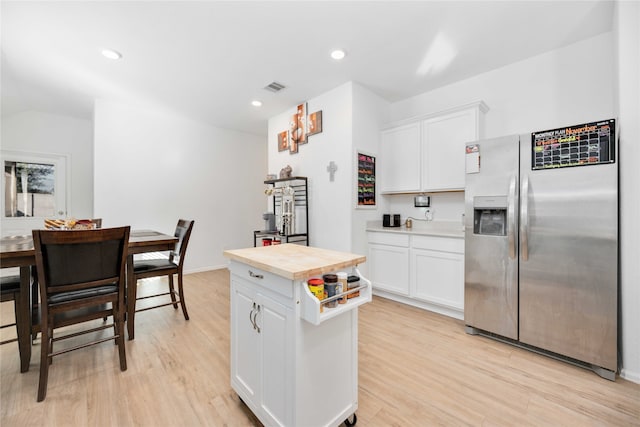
[{"x": 18, "y": 251}]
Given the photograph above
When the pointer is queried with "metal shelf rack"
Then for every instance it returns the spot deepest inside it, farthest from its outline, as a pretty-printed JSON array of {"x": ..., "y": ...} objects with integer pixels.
[{"x": 301, "y": 203}]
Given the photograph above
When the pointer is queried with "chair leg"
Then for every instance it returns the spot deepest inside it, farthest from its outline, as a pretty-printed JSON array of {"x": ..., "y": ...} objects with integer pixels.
[
  {"x": 181, "y": 292},
  {"x": 22, "y": 331},
  {"x": 172, "y": 292},
  {"x": 132, "y": 294},
  {"x": 118, "y": 320},
  {"x": 44, "y": 363}
]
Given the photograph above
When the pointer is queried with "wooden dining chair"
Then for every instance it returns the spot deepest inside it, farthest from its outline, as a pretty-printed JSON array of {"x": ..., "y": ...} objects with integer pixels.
[
  {"x": 173, "y": 265},
  {"x": 82, "y": 277},
  {"x": 10, "y": 291}
]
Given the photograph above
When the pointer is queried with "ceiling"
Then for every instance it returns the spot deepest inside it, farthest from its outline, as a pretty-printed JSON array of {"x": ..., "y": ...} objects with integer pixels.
[{"x": 209, "y": 59}]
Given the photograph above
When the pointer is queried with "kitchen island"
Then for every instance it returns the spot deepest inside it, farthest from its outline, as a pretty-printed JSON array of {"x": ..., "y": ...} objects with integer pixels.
[{"x": 294, "y": 360}]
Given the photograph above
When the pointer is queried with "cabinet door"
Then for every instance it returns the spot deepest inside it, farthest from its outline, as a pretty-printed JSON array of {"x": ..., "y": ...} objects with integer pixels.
[
  {"x": 389, "y": 268},
  {"x": 275, "y": 323},
  {"x": 444, "y": 139},
  {"x": 245, "y": 350},
  {"x": 438, "y": 277},
  {"x": 399, "y": 161}
]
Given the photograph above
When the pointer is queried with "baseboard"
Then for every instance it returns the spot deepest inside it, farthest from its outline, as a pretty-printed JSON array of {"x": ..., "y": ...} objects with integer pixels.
[
  {"x": 203, "y": 269},
  {"x": 436, "y": 308},
  {"x": 628, "y": 375}
]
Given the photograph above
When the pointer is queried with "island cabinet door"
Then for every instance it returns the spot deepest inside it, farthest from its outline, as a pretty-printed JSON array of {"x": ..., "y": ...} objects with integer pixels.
[
  {"x": 245, "y": 349},
  {"x": 262, "y": 368},
  {"x": 275, "y": 325}
]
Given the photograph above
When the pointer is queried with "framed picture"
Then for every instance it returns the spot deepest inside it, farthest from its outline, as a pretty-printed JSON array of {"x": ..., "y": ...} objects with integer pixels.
[
  {"x": 293, "y": 147},
  {"x": 366, "y": 180},
  {"x": 314, "y": 123},
  {"x": 298, "y": 124},
  {"x": 283, "y": 141}
]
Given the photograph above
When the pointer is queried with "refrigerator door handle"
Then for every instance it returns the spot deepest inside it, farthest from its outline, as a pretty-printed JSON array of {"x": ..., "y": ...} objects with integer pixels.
[
  {"x": 524, "y": 219},
  {"x": 511, "y": 226}
]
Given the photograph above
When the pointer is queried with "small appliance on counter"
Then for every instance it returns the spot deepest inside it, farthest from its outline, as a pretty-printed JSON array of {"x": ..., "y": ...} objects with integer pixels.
[
  {"x": 269, "y": 221},
  {"x": 391, "y": 220}
]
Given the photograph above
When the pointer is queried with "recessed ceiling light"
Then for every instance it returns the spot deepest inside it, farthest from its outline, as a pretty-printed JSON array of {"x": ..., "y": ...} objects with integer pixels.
[
  {"x": 338, "y": 54},
  {"x": 256, "y": 103},
  {"x": 111, "y": 54}
]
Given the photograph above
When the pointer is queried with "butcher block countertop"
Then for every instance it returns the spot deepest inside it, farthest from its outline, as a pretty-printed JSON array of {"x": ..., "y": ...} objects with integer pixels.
[{"x": 293, "y": 261}]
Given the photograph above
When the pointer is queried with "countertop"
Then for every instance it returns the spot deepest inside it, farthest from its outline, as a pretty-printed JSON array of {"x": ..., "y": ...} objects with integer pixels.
[
  {"x": 293, "y": 261},
  {"x": 423, "y": 228}
]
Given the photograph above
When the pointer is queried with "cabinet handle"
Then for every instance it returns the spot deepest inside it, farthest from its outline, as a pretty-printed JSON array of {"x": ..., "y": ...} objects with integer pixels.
[
  {"x": 255, "y": 323},
  {"x": 524, "y": 220},
  {"x": 252, "y": 319},
  {"x": 257, "y": 276}
]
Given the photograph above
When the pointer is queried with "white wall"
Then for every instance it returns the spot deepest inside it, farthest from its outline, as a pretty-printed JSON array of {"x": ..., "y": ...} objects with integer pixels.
[
  {"x": 546, "y": 91},
  {"x": 329, "y": 202},
  {"x": 627, "y": 41},
  {"x": 369, "y": 111},
  {"x": 152, "y": 168},
  {"x": 44, "y": 133},
  {"x": 543, "y": 92}
]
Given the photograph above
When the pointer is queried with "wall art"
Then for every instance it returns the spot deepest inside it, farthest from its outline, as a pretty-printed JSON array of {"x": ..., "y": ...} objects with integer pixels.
[
  {"x": 283, "y": 141},
  {"x": 301, "y": 125},
  {"x": 366, "y": 186},
  {"x": 314, "y": 123}
]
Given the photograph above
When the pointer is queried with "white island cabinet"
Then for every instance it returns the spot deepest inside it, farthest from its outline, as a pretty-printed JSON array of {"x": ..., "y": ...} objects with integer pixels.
[{"x": 293, "y": 363}]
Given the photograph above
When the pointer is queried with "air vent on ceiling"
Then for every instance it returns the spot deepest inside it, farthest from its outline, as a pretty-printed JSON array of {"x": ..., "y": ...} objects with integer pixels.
[{"x": 274, "y": 87}]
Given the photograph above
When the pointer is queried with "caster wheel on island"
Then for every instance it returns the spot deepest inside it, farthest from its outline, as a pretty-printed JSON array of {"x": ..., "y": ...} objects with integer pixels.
[{"x": 351, "y": 423}]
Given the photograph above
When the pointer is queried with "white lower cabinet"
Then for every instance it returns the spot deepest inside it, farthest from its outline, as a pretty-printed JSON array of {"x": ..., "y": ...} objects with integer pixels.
[
  {"x": 427, "y": 273},
  {"x": 389, "y": 262},
  {"x": 437, "y": 271},
  {"x": 261, "y": 353}
]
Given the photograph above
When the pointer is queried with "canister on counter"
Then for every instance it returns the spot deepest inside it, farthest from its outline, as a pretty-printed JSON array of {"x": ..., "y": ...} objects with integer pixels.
[
  {"x": 342, "y": 287},
  {"x": 331, "y": 286},
  {"x": 353, "y": 281},
  {"x": 316, "y": 286}
]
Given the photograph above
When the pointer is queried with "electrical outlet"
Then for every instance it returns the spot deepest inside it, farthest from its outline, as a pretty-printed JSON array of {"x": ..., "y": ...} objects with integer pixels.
[{"x": 428, "y": 214}]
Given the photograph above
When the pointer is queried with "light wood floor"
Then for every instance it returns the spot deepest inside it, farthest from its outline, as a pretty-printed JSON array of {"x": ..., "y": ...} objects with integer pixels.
[{"x": 416, "y": 369}]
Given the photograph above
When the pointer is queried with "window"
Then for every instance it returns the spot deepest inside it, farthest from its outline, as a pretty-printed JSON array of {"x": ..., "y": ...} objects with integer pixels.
[
  {"x": 29, "y": 189},
  {"x": 33, "y": 187}
]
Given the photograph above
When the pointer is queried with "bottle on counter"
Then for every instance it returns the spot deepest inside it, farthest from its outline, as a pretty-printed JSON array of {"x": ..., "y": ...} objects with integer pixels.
[
  {"x": 316, "y": 286},
  {"x": 353, "y": 281},
  {"x": 342, "y": 287},
  {"x": 331, "y": 286}
]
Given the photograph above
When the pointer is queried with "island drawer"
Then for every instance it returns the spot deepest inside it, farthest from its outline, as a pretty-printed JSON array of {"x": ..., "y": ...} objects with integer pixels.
[{"x": 262, "y": 278}]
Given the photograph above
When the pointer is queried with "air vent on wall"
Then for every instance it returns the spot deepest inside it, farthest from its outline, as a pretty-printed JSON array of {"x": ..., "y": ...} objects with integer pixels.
[{"x": 274, "y": 87}]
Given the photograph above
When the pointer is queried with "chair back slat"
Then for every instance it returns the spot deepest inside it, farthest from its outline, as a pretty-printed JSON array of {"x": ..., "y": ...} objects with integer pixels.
[
  {"x": 83, "y": 285},
  {"x": 183, "y": 233}
]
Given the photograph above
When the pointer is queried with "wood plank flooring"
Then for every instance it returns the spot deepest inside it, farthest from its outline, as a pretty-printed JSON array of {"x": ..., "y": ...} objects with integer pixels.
[{"x": 416, "y": 368}]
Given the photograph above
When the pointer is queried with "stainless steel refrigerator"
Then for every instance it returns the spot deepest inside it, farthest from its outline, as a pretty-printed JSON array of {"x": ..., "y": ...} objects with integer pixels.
[{"x": 541, "y": 242}]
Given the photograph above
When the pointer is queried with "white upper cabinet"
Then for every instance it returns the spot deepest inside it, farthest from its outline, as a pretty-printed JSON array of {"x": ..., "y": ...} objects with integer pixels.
[
  {"x": 443, "y": 150},
  {"x": 400, "y": 165},
  {"x": 427, "y": 154}
]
